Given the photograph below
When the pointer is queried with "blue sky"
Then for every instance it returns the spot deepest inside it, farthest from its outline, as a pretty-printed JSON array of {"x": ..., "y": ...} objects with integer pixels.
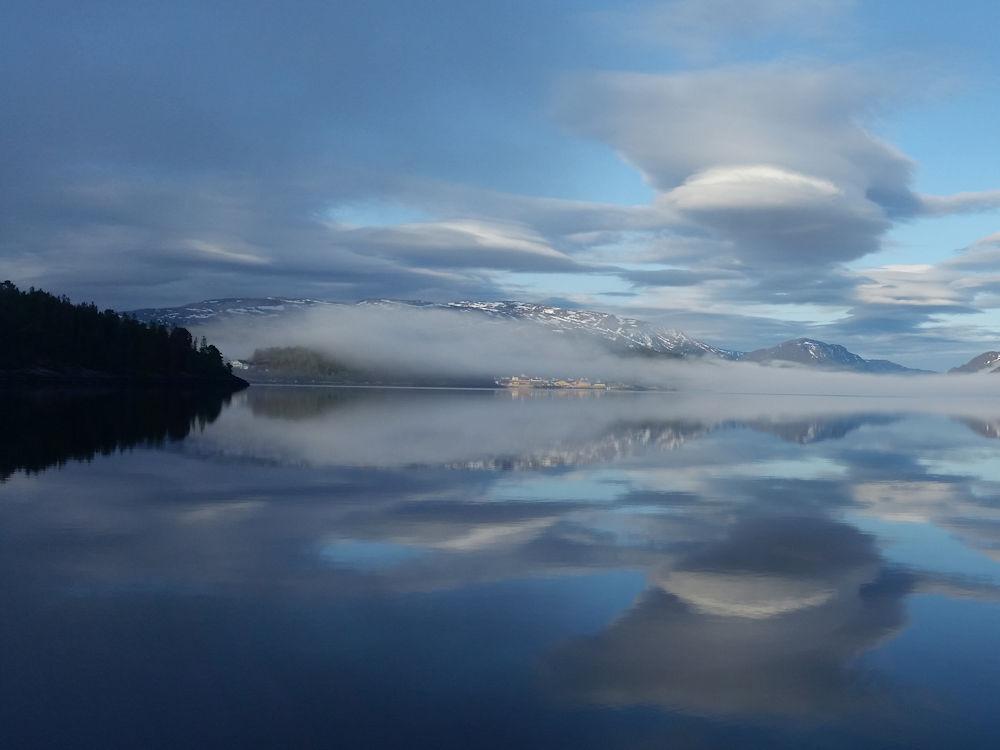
[{"x": 746, "y": 170}]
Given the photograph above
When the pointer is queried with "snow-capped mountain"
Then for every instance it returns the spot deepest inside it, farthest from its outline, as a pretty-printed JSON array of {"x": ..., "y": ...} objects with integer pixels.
[
  {"x": 623, "y": 334},
  {"x": 985, "y": 362},
  {"x": 633, "y": 334},
  {"x": 626, "y": 335},
  {"x": 200, "y": 313},
  {"x": 821, "y": 355}
]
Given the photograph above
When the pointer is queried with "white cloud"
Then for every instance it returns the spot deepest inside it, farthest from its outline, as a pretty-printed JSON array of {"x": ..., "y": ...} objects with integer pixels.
[
  {"x": 910, "y": 285},
  {"x": 213, "y": 251},
  {"x": 949, "y": 283},
  {"x": 461, "y": 243},
  {"x": 751, "y": 187},
  {"x": 775, "y": 158},
  {"x": 700, "y": 29},
  {"x": 773, "y": 214},
  {"x": 937, "y": 205},
  {"x": 798, "y": 118}
]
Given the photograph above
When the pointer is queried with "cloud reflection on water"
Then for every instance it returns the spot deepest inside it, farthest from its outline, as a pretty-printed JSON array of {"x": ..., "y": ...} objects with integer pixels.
[{"x": 763, "y": 589}]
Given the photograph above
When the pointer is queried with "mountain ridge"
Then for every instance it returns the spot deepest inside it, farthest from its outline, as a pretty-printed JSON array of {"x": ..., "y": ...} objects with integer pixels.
[
  {"x": 627, "y": 334},
  {"x": 822, "y": 355},
  {"x": 623, "y": 334}
]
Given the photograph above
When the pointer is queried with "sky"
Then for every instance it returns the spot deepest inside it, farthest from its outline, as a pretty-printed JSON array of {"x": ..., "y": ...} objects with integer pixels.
[{"x": 745, "y": 170}]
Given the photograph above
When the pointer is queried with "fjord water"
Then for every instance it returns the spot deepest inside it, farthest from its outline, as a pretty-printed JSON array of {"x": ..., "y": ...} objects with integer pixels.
[{"x": 323, "y": 567}]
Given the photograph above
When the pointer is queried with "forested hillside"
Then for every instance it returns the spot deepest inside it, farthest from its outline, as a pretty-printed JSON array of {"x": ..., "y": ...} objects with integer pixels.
[{"x": 42, "y": 335}]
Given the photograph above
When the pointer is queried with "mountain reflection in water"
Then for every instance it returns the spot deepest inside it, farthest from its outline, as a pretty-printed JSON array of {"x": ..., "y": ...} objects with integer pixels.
[{"x": 393, "y": 568}]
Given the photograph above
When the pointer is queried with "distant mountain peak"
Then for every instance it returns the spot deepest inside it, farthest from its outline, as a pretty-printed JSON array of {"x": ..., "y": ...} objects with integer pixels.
[
  {"x": 985, "y": 362},
  {"x": 820, "y": 354}
]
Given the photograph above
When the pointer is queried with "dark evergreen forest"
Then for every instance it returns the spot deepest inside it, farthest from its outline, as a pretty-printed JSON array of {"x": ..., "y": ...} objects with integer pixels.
[{"x": 41, "y": 333}]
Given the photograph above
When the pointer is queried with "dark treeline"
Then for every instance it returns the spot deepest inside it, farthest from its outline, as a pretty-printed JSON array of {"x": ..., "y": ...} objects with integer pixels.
[
  {"x": 301, "y": 362},
  {"x": 298, "y": 364},
  {"x": 42, "y": 332},
  {"x": 47, "y": 427}
]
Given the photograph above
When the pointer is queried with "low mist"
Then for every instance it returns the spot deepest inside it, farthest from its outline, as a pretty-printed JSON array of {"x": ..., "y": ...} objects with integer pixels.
[{"x": 427, "y": 342}]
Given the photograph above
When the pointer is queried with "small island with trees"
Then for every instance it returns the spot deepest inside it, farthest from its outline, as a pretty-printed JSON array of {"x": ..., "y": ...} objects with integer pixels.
[{"x": 49, "y": 339}]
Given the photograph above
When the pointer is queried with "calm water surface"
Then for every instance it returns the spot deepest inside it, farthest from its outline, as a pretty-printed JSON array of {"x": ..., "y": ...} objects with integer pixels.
[{"x": 335, "y": 568}]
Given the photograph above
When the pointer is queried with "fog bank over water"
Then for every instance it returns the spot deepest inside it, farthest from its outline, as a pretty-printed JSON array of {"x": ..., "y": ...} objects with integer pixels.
[
  {"x": 325, "y": 426},
  {"x": 429, "y": 342},
  {"x": 819, "y": 567}
]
